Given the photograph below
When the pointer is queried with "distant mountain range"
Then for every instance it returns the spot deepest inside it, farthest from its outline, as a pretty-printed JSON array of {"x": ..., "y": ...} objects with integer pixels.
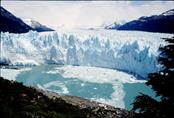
[
  {"x": 36, "y": 25},
  {"x": 157, "y": 23},
  {"x": 163, "y": 23},
  {"x": 11, "y": 23},
  {"x": 114, "y": 25}
]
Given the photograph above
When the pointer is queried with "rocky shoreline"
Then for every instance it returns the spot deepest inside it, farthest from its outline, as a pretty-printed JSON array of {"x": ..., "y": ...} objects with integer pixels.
[
  {"x": 19, "y": 101},
  {"x": 97, "y": 109}
]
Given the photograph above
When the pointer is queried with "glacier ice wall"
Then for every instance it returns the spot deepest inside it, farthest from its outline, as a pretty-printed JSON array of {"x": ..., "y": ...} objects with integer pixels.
[{"x": 130, "y": 51}]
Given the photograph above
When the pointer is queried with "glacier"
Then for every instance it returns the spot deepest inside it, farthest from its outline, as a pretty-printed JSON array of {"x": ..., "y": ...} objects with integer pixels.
[{"x": 131, "y": 51}]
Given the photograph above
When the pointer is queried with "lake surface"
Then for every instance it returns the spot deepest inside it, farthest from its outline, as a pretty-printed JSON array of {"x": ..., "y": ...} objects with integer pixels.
[{"x": 104, "y": 85}]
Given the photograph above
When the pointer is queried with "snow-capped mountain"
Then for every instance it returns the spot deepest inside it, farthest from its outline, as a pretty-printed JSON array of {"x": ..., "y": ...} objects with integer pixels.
[
  {"x": 130, "y": 51},
  {"x": 157, "y": 23},
  {"x": 36, "y": 25},
  {"x": 168, "y": 13},
  {"x": 10, "y": 23},
  {"x": 114, "y": 25}
]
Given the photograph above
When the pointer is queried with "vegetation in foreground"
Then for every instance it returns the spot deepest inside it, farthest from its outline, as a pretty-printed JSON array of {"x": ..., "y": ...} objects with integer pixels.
[
  {"x": 18, "y": 101},
  {"x": 162, "y": 83}
]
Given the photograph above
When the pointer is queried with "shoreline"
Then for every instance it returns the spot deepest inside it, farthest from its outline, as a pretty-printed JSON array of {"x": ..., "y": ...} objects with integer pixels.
[{"x": 70, "y": 105}]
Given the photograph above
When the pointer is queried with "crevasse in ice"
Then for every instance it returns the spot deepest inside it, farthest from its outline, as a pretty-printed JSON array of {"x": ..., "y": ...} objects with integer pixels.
[{"x": 130, "y": 51}]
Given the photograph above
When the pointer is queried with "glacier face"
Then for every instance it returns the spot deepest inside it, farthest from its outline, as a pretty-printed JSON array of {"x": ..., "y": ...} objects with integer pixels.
[{"x": 125, "y": 50}]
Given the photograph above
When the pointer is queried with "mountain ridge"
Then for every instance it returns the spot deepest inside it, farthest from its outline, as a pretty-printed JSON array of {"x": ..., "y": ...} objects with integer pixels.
[
  {"x": 156, "y": 23},
  {"x": 12, "y": 24},
  {"x": 36, "y": 25}
]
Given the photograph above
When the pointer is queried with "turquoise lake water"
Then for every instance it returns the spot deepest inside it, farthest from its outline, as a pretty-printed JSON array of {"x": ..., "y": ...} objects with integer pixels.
[{"x": 38, "y": 77}]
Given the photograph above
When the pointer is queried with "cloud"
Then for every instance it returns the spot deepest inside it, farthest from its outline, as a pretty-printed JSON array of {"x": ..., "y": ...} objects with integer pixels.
[{"x": 85, "y": 14}]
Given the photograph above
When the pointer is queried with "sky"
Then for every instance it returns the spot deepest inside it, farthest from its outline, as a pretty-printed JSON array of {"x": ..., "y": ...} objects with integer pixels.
[{"x": 78, "y": 14}]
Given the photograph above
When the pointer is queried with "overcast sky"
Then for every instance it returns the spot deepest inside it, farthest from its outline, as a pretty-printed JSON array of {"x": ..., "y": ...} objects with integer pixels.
[{"x": 73, "y": 14}]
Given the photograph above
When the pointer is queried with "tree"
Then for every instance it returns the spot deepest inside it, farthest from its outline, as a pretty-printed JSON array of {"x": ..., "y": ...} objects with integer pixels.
[{"x": 162, "y": 82}]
